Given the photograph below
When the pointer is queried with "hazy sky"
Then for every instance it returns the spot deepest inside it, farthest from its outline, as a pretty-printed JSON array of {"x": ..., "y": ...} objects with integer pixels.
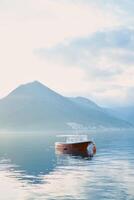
[{"x": 76, "y": 47}]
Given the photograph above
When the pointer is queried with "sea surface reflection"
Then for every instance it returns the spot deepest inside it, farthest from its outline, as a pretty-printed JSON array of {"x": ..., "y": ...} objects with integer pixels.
[{"x": 30, "y": 169}]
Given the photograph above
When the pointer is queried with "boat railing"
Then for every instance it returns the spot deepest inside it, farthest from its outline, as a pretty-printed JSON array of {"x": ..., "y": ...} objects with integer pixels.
[{"x": 74, "y": 138}]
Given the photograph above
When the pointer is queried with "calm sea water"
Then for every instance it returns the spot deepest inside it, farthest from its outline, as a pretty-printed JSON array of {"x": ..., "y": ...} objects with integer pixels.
[{"x": 30, "y": 169}]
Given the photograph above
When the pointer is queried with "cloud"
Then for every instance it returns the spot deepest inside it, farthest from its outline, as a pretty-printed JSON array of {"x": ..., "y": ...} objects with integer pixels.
[
  {"x": 106, "y": 57},
  {"x": 79, "y": 38},
  {"x": 130, "y": 95},
  {"x": 52, "y": 21},
  {"x": 105, "y": 53},
  {"x": 122, "y": 9}
]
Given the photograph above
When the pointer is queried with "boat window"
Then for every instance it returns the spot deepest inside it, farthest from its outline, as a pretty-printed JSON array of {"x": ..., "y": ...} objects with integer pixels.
[{"x": 76, "y": 138}]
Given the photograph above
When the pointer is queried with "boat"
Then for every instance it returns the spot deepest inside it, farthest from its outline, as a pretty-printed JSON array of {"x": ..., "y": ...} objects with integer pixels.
[{"x": 75, "y": 145}]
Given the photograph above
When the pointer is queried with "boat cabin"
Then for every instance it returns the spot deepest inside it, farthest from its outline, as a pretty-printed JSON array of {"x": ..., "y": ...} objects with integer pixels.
[{"x": 73, "y": 138}]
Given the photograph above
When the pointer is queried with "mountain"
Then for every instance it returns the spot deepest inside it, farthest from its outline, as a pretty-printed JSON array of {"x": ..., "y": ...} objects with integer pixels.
[
  {"x": 84, "y": 102},
  {"x": 34, "y": 106},
  {"x": 125, "y": 113}
]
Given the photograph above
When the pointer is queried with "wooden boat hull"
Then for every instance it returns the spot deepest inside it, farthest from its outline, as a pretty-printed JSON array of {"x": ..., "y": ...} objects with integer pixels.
[{"x": 75, "y": 148}]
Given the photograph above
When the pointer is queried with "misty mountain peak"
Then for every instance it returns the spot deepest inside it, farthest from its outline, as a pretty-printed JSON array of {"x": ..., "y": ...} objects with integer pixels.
[
  {"x": 32, "y": 89},
  {"x": 84, "y": 101},
  {"x": 36, "y": 84},
  {"x": 33, "y": 84}
]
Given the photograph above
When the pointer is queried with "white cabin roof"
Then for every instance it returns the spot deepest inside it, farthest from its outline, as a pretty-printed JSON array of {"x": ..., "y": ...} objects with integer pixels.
[
  {"x": 72, "y": 135},
  {"x": 74, "y": 138}
]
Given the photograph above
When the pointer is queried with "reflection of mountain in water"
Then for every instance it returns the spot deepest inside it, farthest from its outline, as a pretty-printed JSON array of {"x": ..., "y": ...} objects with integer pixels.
[
  {"x": 31, "y": 153},
  {"x": 72, "y": 178},
  {"x": 108, "y": 175}
]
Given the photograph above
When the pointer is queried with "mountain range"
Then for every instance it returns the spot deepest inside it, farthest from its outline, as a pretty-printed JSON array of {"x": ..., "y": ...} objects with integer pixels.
[
  {"x": 126, "y": 113},
  {"x": 34, "y": 106}
]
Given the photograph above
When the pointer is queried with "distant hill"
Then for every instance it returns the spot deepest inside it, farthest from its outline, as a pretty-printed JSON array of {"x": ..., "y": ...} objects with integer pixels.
[
  {"x": 34, "y": 106},
  {"x": 126, "y": 113}
]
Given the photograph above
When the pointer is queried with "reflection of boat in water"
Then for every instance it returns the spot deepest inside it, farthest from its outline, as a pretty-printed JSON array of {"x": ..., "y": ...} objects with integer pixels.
[{"x": 75, "y": 145}]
